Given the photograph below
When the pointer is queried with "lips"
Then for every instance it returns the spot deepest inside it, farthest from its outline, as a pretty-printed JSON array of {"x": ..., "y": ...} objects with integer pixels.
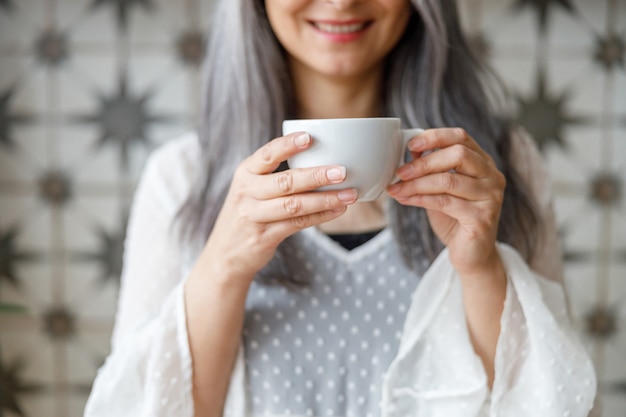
[{"x": 340, "y": 28}]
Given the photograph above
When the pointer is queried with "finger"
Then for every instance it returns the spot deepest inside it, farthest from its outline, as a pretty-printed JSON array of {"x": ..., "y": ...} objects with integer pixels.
[
  {"x": 290, "y": 226},
  {"x": 457, "y": 157},
  {"x": 442, "y": 138},
  {"x": 449, "y": 183},
  {"x": 301, "y": 205},
  {"x": 295, "y": 181},
  {"x": 268, "y": 157},
  {"x": 455, "y": 207}
]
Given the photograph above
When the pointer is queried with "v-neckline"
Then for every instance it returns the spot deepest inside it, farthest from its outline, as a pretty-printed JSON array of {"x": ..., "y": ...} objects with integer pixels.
[{"x": 334, "y": 249}]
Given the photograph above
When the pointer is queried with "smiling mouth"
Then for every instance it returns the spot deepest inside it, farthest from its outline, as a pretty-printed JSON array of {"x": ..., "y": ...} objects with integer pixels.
[{"x": 341, "y": 28}]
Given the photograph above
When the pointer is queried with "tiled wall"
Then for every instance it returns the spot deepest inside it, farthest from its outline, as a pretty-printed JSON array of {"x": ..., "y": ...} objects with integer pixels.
[{"x": 89, "y": 87}]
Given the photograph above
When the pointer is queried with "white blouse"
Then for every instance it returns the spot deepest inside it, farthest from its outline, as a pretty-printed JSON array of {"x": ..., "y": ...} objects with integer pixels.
[{"x": 541, "y": 369}]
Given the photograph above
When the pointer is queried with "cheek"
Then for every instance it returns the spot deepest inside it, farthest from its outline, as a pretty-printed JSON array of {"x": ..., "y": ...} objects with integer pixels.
[
  {"x": 282, "y": 16},
  {"x": 399, "y": 19}
]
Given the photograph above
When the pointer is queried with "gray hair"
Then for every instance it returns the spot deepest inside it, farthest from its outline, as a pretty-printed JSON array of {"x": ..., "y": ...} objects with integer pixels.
[{"x": 432, "y": 80}]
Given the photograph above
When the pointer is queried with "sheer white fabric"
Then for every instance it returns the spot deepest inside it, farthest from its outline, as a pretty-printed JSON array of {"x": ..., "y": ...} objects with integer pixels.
[{"x": 541, "y": 369}]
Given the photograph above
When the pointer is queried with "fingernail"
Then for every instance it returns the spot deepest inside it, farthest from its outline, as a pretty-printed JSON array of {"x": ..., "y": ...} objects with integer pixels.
[
  {"x": 336, "y": 174},
  {"x": 302, "y": 140},
  {"x": 347, "y": 195},
  {"x": 392, "y": 189},
  {"x": 338, "y": 209},
  {"x": 416, "y": 144},
  {"x": 405, "y": 170}
]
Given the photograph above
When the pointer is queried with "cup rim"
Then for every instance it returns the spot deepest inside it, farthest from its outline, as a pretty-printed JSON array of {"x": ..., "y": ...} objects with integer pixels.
[{"x": 343, "y": 119}]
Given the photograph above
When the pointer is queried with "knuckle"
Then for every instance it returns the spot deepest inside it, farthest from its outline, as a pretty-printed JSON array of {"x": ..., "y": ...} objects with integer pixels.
[
  {"x": 238, "y": 190},
  {"x": 329, "y": 201},
  {"x": 238, "y": 196},
  {"x": 265, "y": 153},
  {"x": 443, "y": 201},
  {"x": 319, "y": 177},
  {"x": 327, "y": 215},
  {"x": 284, "y": 182},
  {"x": 300, "y": 222},
  {"x": 243, "y": 218},
  {"x": 423, "y": 166},
  {"x": 459, "y": 153},
  {"x": 255, "y": 239},
  {"x": 292, "y": 206},
  {"x": 431, "y": 134},
  {"x": 449, "y": 181},
  {"x": 461, "y": 133},
  {"x": 474, "y": 233}
]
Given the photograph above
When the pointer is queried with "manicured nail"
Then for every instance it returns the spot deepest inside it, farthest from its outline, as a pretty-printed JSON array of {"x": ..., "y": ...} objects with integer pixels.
[
  {"x": 347, "y": 195},
  {"x": 336, "y": 174},
  {"x": 405, "y": 170},
  {"x": 303, "y": 140},
  {"x": 416, "y": 144},
  {"x": 392, "y": 189}
]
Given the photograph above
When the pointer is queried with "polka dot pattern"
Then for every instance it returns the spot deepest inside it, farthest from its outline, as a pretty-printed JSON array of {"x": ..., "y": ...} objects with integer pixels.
[{"x": 322, "y": 350}]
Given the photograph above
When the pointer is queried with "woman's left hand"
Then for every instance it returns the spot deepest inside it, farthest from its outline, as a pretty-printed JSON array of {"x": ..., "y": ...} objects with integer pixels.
[{"x": 462, "y": 191}]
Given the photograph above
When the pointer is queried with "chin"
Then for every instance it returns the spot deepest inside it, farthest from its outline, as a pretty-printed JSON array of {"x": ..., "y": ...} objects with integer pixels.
[{"x": 344, "y": 69}]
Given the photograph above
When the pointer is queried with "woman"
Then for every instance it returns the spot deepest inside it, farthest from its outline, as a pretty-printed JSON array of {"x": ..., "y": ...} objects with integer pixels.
[{"x": 227, "y": 308}]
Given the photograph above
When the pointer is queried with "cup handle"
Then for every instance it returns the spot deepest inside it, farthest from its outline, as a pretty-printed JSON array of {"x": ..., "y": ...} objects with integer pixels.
[{"x": 407, "y": 135}]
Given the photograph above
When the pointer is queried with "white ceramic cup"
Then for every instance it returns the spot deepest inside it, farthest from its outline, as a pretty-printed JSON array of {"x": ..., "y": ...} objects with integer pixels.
[{"x": 371, "y": 149}]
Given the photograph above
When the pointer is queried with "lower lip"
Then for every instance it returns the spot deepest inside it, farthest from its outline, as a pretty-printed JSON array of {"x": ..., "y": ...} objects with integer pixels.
[{"x": 341, "y": 37}]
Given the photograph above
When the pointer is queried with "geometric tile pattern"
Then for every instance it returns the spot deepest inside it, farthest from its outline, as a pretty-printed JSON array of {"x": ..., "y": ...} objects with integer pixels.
[
  {"x": 89, "y": 87},
  {"x": 87, "y": 90},
  {"x": 563, "y": 60},
  {"x": 543, "y": 7},
  {"x": 122, "y": 8}
]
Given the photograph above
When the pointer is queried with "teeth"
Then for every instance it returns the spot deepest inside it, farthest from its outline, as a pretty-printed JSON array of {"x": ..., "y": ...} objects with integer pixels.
[{"x": 325, "y": 27}]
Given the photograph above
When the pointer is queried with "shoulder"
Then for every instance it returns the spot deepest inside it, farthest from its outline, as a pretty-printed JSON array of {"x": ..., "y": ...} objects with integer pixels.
[{"x": 171, "y": 170}]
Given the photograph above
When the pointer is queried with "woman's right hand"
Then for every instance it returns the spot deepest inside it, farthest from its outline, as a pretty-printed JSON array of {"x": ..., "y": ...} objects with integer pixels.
[{"x": 264, "y": 207}]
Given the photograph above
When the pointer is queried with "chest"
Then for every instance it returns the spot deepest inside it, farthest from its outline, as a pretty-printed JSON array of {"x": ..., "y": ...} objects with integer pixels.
[{"x": 323, "y": 349}]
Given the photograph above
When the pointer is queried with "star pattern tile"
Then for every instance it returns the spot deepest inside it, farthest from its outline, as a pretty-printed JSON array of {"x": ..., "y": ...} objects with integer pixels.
[
  {"x": 11, "y": 255},
  {"x": 606, "y": 189},
  {"x": 55, "y": 187},
  {"x": 601, "y": 323},
  {"x": 123, "y": 7},
  {"x": 109, "y": 256},
  {"x": 51, "y": 47},
  {"x": 123, "y": 119},
  {"x": 12, "y": 386},
  {"x": 543, "y": 8},
  {"x": 576, "y": 256},
  {"x": 59, "y": 323},
  {"x": 610, "y": 51},
  {"x": 545, "y": 116},
  {"x": 9, "y": 119},
  {"x": 190, "y": 48}
]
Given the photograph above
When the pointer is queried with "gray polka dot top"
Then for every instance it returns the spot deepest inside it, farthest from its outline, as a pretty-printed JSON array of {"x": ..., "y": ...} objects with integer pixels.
[{"x": 322, "y": 350}]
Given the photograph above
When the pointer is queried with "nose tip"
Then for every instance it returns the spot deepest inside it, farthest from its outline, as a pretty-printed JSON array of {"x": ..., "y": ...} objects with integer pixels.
[{"x": 342, "y": 4}]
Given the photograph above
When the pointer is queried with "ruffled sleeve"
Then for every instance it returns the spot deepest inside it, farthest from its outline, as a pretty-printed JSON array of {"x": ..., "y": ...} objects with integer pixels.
[
  {"x": 541, "y": 369},
  {"x": 149, "y": 372}
]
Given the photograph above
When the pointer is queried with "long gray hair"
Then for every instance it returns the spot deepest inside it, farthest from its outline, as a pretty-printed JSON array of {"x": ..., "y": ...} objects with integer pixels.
[{"x": 432, "y": 80}]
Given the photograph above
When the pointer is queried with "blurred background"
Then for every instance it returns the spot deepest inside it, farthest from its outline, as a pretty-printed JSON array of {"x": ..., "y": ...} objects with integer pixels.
[{"x": 89, "y": 87}]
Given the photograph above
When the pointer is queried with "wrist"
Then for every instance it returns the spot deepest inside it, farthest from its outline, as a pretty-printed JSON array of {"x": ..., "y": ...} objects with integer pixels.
[
  {"x": 219, "y": 276},
  {"x": 216, "y": 281},
  {"x": 489, "y": 270}
]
